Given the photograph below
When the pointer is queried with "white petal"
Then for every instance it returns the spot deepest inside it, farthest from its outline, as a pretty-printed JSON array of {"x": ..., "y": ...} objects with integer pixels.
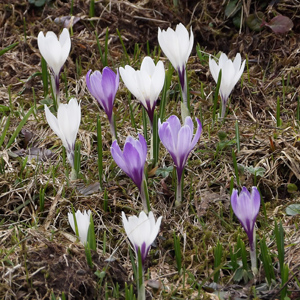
[
  {"x": 148, "y": 65},
  {"x": 158, "y": 81},
  {"x": 214, "y": 69},
  {"x": 169, "y": 44},
  {"x": 53, "y": 123},
  {"x": 129, "y": 78}
]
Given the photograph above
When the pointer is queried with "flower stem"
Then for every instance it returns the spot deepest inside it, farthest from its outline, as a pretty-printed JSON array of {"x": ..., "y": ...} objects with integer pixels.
[
  {"x": 223, "y": 109},
  {"x": 151, "y": 145},
  {"x": 184, "y": 112},
  {"x": 145, "y": 196},
  {"x": 178, "y": 192},
  {"x": 141, "y": 290},
  {"x": 253, "y": 255},
  {"x": 112, "y": 127},
  {"x": 55, "y": 88},
  {"x": 140, "y": 277}
]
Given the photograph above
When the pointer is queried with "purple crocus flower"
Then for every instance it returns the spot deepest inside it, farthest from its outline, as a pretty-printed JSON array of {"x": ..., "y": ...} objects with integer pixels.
[
  {"x": 104, "y": 88},
  {"x": 132, "y": 160},
  {"x": 179, "y": 141},
  {"x": 141, "y": 231},
  {"x": 246, "y": 208}
]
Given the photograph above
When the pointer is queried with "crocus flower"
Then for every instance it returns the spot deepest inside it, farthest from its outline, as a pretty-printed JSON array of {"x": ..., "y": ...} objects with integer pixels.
[
  {"x": 66, "y": 125},
  {"x": 179, "y": 141},
  {"x": 104, "y": 87},
  {"x": 83, "y": 223},
  {"x": 132, "y": 161},
  {"x": 55, "y": 51},
  {"x": 246, "y": 208},
  {"x": 177, "y": 46},
  {"x": 145, "y": 84},
  {"x": 141, "y": 231},
  {"x": 231, "y": 73}
]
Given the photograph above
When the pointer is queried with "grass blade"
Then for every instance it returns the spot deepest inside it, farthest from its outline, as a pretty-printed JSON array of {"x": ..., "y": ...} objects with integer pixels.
[
  {"x": 18, "y": 129},
  {"x": 4, "y": 50}
]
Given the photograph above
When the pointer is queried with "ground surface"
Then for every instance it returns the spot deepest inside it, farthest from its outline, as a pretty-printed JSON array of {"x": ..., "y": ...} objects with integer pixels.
[{"x": 39, "y": 254}]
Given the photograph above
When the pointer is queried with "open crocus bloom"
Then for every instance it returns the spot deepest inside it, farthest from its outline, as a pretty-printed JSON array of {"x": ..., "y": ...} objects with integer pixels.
[
  {"x": 145, "y": 84},
  {"x": 231, "y": 73},
  {"x": 83, "y": 223},
  {"x": 141, "y": 231},
  {"x": 66, "y": 125},
  {"x": 177, "y": 46},
  {"x": 55, "y": 52},
  {"x": 104, "y": 88},
  {"x": 179, "y": 141},
  {"x": 246, "y": 208}
]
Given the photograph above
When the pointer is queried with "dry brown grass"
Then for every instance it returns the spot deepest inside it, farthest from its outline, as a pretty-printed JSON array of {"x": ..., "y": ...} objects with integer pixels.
[{"x": 38, "y": 251}]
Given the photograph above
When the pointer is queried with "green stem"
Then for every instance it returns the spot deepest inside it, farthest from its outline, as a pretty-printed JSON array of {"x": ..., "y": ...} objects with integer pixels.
[
  {"x": 142, "y": 290},
  {"x": 145, "y": 196},
  {"x": 253, "y": 255},
  {"x": 140, "y": 277},
  {"x": 151, "y": 146},
  {"x": 223, "y": 110},
  {"x": 178, "y": 192},
  {"x": 112, "y": 128},
  {"x": 55, "y": 92}
]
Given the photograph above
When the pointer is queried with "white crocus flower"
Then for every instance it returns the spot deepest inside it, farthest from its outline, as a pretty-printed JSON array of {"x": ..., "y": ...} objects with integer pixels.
[
  {"x": 66, "y": 125},
  {"x": 177, "y": 46},
  {"x": 231, "y": 73},
  {"x": 141, "y": 231},
  {"x": 145, "y": 84},
  {"x": 55, "y": 52},
  {"x": 83, "y": 223}
]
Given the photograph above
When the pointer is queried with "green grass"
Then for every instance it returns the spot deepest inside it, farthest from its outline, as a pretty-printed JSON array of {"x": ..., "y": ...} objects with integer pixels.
[{"x": 199, "y": 242}]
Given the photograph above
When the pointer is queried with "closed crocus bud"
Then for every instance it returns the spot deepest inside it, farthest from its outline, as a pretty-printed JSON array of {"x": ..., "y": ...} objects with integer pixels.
[
  {"x": 66, "y": 125},
  {"x": 145, "y": 84},
  {"x": 177, "y": 46},
  {"x": 231, "y": 73},
  {"x": 103, "y": 88},
  {"x": 55, "y": 52},
  {"x": 179, "y": 141},
  {"x": 246, "y": 207},
  {"x": 83, "y": 223},
  {"x": 132, "y": 161},
  {"x": 141, "y": 231}
]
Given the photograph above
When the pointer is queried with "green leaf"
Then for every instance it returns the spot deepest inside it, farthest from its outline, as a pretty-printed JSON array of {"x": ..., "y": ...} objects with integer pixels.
[
  {"x": 254, "y": 21},
  {"x": 259, "y": 171},
  {"x": 292, "y": 188},
  {"x": 4, "y": 50},
  {"x": 100, "y": 274},
  {"x": 232, "y": 8},
  {"x": 22, "y": 123},
  {"x": 164, "y": 172},
  {"x": 4, "y": 108},
  {"x": 38, "y": 3},
  {"x": 293, "y": 210},
  {"x": 48, "y": 101},
  {"x": 222, "y": 136},
  {"x": 238, "y": 275},
  {"x": 91, "y": 237}
]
